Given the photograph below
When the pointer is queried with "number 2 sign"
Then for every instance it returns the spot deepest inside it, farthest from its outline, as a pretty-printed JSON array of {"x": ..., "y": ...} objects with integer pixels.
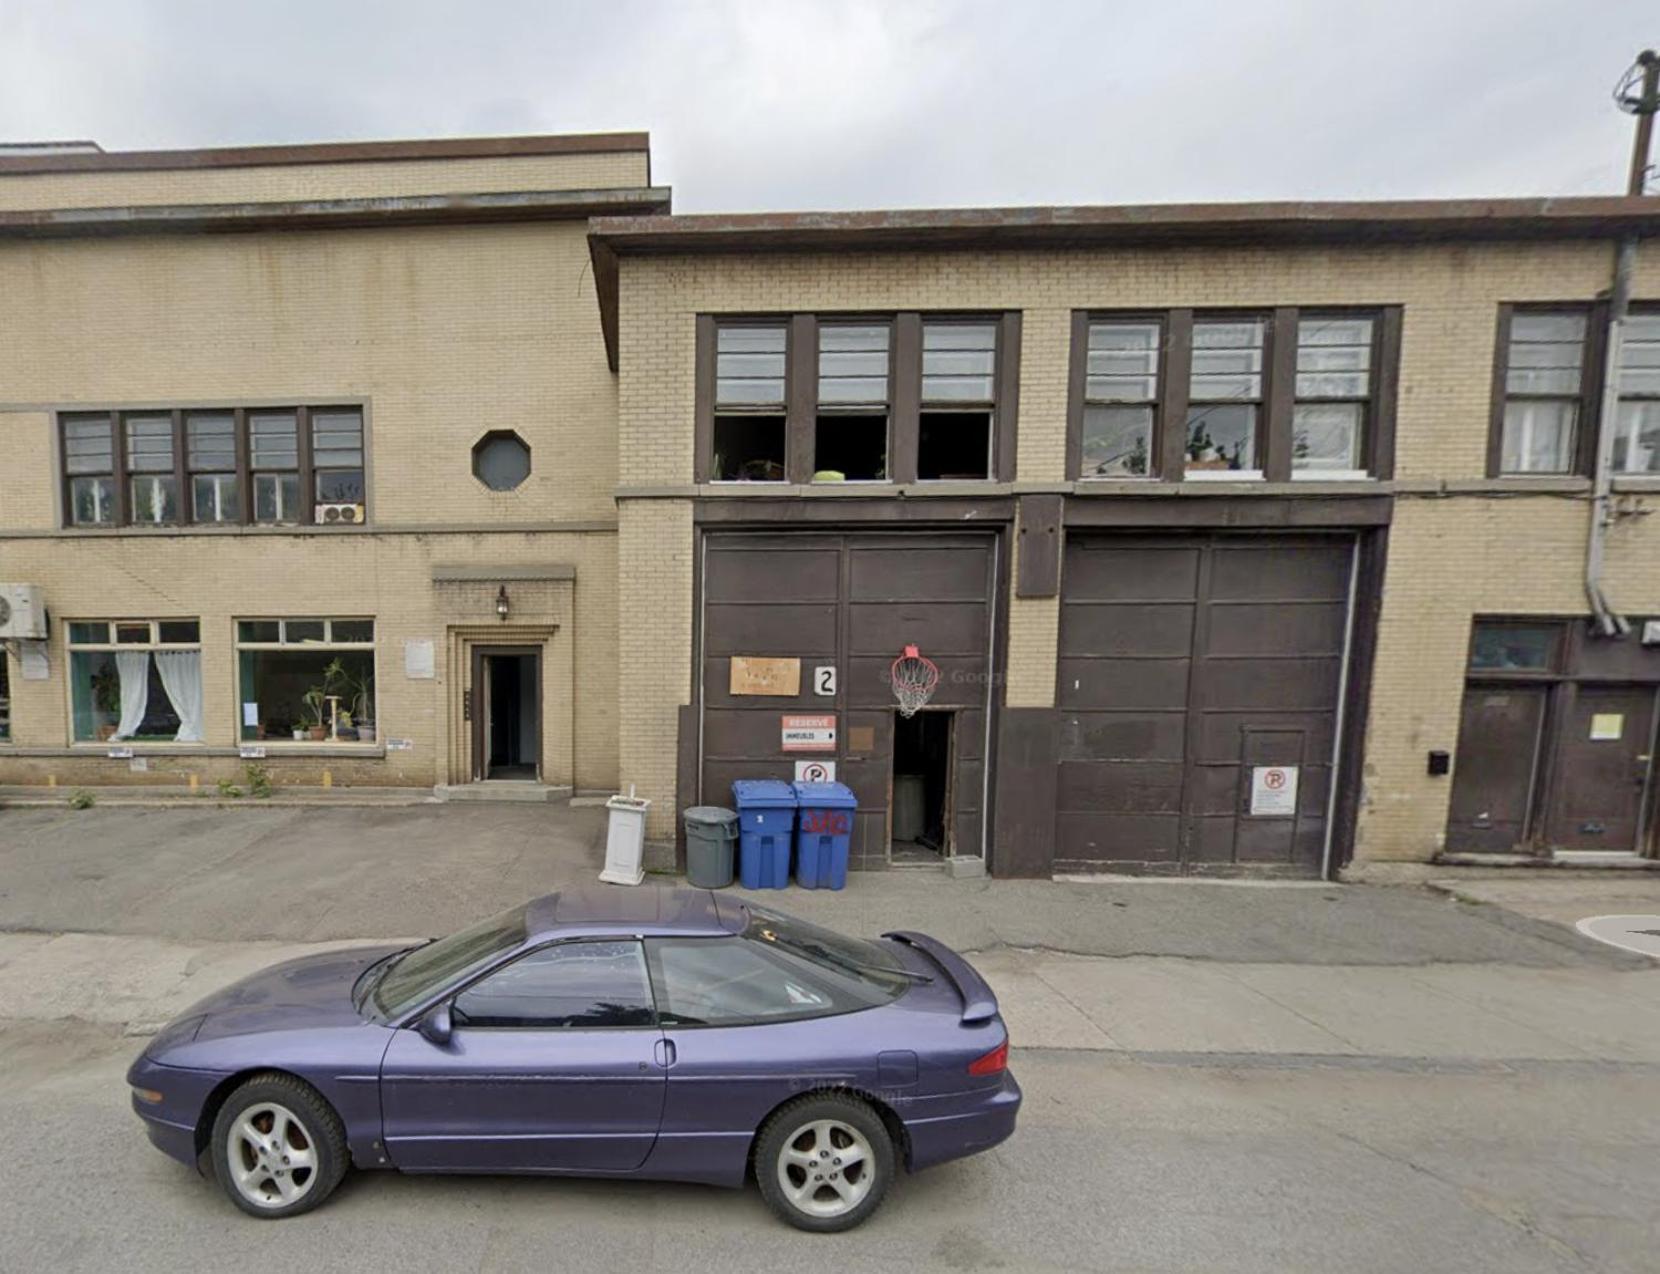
[{"x": 824, "y": 679}]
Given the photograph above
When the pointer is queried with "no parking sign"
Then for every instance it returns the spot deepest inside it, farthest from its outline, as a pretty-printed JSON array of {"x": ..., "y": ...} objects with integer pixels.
[{"x": 1273, "y": 791}]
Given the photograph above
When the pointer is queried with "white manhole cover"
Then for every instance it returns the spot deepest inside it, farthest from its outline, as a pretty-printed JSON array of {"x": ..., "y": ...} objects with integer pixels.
[{"x": 1634, "y": 933}]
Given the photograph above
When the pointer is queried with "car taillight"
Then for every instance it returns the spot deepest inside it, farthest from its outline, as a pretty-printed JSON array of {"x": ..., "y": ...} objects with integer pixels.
[{"x": 993, "y": 1063}]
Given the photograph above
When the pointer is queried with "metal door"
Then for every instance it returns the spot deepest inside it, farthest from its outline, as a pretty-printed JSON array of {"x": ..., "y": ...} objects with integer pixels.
[
  {"x": 1603, "y": 759},
  {"x": 1494, "y": 770},
  {"x": 1175, "y": 653}
]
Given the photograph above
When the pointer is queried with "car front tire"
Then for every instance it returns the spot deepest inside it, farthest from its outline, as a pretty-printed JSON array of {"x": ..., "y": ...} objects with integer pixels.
[
  {"x": 278, "y": 1148},
  {"x": 824, "y": 1162}
]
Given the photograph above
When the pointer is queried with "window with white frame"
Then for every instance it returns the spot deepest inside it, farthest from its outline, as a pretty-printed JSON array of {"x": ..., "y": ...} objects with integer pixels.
[
  {"x": 306, "y": 680},
  {"x": 1333, "y": 394},
  {"x": 1224, "y": 397},
  {"x": 135, "y": 680},
  {"x": 1545, "y": 388},
  {"x": 1637, "y": 423},
  {"x": 959, "y": 389},
  {"x": 749, "y": 402},
  {"x": 850, "y": 440},
  {"x": 1121, "y": 398}
]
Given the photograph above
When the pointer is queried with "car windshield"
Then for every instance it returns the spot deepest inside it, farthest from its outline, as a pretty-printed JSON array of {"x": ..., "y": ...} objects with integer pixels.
[
  {"x": 417, "y": 973},
  {"x": 869, "y": 963}
]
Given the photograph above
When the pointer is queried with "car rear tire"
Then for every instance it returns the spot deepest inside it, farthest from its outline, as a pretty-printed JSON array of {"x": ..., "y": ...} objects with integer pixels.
[
  {"x": 824, "y": 1161},
  {"x": 278, "y": 1148}
]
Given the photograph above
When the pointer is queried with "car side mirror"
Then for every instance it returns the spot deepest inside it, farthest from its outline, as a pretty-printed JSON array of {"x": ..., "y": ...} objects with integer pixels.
[{"x": 436, "y": 1025}]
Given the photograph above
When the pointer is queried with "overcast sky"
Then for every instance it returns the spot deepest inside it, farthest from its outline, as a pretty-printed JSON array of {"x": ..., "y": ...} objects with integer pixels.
[{"x": 792, "y": 104}]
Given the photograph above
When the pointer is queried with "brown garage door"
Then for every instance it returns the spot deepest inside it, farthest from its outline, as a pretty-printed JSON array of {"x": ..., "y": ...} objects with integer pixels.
[
  {"x": 1185, "y": 664},
  {"x": 850, "y": 601}
]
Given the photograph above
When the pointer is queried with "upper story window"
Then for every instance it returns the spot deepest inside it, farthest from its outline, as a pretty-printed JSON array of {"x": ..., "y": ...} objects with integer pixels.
[
  {"x": 1224, "y": 397},
  {"x": 223, "y": 466},
  {"x": 749, "y": 403},
  {"x": 892, "y": 398},
  {"x": 1637, "y": 424},
  {"x": 1285, "y": 394},
  {"x": 1121, "y": 398},
  {"x": 850, "y": 437},
  {"x": 1548, "y": 391},
  {"x": 1333, "y": 395},
  {"x": 959, "y": 400}
]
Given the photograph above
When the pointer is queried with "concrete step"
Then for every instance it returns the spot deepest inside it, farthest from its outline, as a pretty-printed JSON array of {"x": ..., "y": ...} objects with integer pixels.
[{"x": 500, "y": 790}]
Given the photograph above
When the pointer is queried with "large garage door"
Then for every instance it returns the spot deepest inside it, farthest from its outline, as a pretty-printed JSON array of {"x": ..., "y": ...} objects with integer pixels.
[
  {"x": 852, "y": 602},
  {"x": 1192, "y": 672}
]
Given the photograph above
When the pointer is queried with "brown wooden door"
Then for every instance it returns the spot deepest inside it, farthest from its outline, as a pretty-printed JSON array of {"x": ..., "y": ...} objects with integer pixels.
[
  {"x": 1499, "y": 736},
  {"x": 1602, "y": 763}
]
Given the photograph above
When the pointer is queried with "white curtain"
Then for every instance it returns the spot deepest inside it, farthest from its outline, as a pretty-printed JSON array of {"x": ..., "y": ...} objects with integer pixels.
[
  {"x": 133, "y": 666},
  {"x": 181, "y": 677}
]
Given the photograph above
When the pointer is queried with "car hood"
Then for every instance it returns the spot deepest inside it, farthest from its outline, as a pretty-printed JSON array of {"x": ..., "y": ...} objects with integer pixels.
[{"x": 313, "y": 991}]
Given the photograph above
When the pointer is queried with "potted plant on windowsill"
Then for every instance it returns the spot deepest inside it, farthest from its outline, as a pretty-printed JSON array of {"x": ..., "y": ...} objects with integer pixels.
[
  {"x": 316, "y": 703},
  {"x": 106, "y": 703},
  {"x": 363, "y": 695}
]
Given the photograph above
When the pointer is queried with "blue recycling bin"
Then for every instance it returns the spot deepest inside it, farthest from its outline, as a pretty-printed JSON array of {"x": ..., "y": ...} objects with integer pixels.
[
  {"x": 824, "y": 830},
  {"x": 766, "y": 825}
]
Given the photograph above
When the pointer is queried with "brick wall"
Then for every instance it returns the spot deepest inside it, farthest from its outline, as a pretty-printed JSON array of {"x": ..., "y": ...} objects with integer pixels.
[
  {"x": 380, "y": 180},
  {"x": 1452, "y": 554}
]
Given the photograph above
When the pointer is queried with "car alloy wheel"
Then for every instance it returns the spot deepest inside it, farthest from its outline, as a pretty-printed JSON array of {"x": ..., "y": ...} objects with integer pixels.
[
  {"x": 272, "y": 1158},
  {"x": 826, "y": 1168}
]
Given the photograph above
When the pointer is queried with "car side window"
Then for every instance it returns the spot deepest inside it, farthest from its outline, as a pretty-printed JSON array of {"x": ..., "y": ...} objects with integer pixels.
[
  {"x": 723, "y": 981},
  {"x": 568, "y": 985}
]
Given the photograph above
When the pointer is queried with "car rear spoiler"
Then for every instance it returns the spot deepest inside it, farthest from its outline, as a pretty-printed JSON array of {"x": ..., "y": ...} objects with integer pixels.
[{"x": 979, "y": 1004}]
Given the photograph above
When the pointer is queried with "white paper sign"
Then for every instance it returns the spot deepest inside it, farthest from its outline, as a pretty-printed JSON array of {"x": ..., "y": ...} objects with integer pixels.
[
  {"x": 139, "y": 764},
  {"x": 399, "y": 745},
  {"x": 249, "y": 752},
  {"x": 36, "y": 665},
  {"x": 815, "y": 771},
  {"x": 120, "y": 754},
  {"x": 824, "y": 679},
  {"x": 250, "y": 714},
  {"x": 417, "y": 660},
  {"x": 1273, "y": 791}
]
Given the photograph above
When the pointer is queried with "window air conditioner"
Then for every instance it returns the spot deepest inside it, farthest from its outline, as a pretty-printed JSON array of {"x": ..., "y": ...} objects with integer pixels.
[
  {"x": 22, "y": 612},
  {"x": 339, "y": 514}
]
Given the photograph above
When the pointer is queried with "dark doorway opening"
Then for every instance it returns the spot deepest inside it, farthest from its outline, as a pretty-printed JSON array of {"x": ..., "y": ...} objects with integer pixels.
[
  {"x": 921, "y": 787},
  {"x": 507, "y": 699}
]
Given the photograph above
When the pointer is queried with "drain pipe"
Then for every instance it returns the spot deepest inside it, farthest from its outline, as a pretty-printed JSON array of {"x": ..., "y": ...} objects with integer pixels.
[
  {"x": 1638, "y": 93},
  {"x": 1609, "y": 622}
]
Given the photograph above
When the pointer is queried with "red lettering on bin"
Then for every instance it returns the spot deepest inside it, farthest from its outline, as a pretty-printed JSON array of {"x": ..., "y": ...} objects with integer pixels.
[{"x": 825, "y": 822}]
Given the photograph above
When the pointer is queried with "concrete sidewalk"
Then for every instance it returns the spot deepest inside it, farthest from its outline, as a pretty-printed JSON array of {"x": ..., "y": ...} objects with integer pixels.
[
  {"x": 1139, "y": 1006},
  {"x": 205, "y": 875}
]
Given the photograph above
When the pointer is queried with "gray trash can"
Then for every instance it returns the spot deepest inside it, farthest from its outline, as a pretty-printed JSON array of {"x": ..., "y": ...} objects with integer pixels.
[{"x": 711, "y": 832}]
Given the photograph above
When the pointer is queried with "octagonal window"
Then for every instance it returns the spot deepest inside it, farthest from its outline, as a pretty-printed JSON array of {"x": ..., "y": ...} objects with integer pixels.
[{"x": 501, "y": 460}]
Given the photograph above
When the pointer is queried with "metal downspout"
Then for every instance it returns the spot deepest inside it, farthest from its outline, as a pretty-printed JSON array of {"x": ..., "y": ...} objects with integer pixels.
[{"x": 1609, "y": 622}]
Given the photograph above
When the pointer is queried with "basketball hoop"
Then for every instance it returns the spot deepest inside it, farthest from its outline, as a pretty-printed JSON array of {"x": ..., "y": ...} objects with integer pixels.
[{"x": 914, "y": 677}]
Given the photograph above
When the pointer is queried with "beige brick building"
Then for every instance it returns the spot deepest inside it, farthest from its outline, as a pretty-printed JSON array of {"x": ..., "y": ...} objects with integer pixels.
[{"x": 1243, "y": 538}]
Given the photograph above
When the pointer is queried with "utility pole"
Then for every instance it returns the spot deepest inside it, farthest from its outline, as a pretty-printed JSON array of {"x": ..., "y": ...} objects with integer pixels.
[{"x": 1639, "y": 95}]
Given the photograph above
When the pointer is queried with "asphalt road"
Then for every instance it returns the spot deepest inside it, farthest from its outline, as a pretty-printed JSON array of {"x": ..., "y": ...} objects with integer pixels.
[{"x": 1202, "y": 1164}]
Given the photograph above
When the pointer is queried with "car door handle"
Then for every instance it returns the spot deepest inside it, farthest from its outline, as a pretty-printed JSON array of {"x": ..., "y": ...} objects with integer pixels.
[{"x": 665, "y": 1053}]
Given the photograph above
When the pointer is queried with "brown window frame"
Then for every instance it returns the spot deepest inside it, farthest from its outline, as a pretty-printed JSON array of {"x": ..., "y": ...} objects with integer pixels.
[
  {"x": 183, "y": 474},
  {"x": 801, "y": 406},
  {"x": 1277, "y": 404},
  {"x": 1589, "y": 398}
]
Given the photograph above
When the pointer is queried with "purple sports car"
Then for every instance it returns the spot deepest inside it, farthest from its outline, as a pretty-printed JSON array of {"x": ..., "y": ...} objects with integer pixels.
[{"x": 658, "y": 1033}]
